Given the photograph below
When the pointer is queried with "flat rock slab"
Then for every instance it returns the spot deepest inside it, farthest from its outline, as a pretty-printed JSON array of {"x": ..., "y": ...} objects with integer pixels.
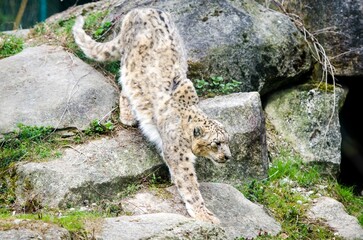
[
  {"x": 97, "y": 170},
  {"x": 27, "y": 229},
  {"x": 239, "y": 216},
  {"x": 47, "y": 86},
  {"x": 158, "y": 226},
  {"x": 334, "y": 215}
]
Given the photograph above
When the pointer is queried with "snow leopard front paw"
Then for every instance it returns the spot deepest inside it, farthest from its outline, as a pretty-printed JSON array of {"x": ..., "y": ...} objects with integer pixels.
[{"x": 203, "y": 214}]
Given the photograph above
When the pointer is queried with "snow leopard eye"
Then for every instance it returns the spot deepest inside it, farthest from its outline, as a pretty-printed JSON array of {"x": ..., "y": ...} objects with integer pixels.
[
  {"x": 197, "y": 132},
  {"x": 215, "y": 144}
]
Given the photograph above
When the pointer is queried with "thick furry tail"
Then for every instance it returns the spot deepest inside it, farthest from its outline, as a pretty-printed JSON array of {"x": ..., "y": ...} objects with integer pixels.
[{"x": 108, "y": 51}]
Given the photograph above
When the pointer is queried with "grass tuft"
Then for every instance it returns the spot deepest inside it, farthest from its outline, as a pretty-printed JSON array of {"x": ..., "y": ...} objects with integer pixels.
[
  {"x": 10, "y": 45},
  {"x": 289, "y": 191}
]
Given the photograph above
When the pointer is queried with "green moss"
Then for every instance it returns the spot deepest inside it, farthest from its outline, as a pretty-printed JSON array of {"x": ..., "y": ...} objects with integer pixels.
[
  {"x": 10, "y": 45},
  {"x": 196, "y": 70},
  {"x": 321, "y": 86}
]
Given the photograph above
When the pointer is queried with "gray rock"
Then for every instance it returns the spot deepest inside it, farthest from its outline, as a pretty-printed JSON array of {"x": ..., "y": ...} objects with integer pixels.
[
  {"x": 102, "y": 168},
  {"x": 334, "y": 215},
  {"x": 21, "y": 33},
  {"x": 338, "y": 25},
  {"x": 307, "y": 120},
  {"x": 46, "y": 86},
  {"x": 239, "y": 216},
  {"x": 25, "y": 229},
  {"x": 238, "y": 40},
  {"x": 97, "y": 170},
  {"x": 243, "y": 118},
  {"x": 159, "y": 226}
]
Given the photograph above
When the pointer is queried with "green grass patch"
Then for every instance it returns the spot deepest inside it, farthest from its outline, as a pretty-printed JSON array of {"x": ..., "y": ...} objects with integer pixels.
[
  {"x": 10, "y": 45},
  {"x": 26, "y": 143},
  {"x": 352, "y": 203},
  {"x": 60, "y": 33},
  {"x": 288, "y": 192},
  {"x": 36, "y": 143},
  {"x": 73, "y": 221}
]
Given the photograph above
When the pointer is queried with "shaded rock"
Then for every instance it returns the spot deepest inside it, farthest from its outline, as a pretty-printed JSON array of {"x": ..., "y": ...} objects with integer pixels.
[
  {"x": 238, "y": 40},
  {"x": 306, "y": 119},
  {"x": 243, "y": 118},
  {"x": 334, "y": 215},
  {"x": 239, "y": 216},
  {"x": 103, "y": 168},
  {"x": 26, "y": 229},
  {"x": 97, "y": 170},
  {"x": 157, "y": 227},
  {"x": 46, "y": 86},
  {"x": 338, "y": 25}
]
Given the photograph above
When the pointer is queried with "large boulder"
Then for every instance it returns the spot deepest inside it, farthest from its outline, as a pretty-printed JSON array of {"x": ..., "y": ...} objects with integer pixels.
[
  {"x": 306, "y": 119},
  {"x": 47, "y": 86},
  {"x": 240, "y": 40},
  {"x": 338, "y": 25},
  {"x": 102, "y": 168}
]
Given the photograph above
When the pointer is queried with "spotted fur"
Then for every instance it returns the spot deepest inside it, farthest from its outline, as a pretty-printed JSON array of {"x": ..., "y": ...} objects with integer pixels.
[{"x": 158, "y": 95}]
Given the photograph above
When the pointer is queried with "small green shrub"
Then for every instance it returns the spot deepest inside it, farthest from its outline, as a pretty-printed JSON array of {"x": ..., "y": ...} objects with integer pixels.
[
  {"x": 10, "y": 45},
  {"x": 216, "y": 86}
]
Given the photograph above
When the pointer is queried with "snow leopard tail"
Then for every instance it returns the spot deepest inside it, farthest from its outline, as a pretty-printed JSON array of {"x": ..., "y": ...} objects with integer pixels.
[{"x": 108, "y": 51}]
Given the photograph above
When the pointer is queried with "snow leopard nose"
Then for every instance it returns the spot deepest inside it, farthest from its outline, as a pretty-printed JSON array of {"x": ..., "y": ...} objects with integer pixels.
[
  {"x": 227, "y": 157},
  {"x": 227, "y": 153}
]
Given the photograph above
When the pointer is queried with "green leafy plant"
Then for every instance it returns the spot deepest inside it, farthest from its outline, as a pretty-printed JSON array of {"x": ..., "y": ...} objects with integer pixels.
[
  {"x": 10, "y": 45},
  {"x": 96, "y": 127},
  {"x": 98, "y": 33},
  {"x": 216, "y": 86}
]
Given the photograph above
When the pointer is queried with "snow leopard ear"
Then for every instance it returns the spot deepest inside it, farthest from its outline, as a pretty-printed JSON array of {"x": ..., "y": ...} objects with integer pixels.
[{"x": 197, "y": 131}]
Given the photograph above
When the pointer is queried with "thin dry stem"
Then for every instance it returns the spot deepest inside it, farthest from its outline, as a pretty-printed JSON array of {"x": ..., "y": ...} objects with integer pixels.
[{"x": 319, "y": 55}]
